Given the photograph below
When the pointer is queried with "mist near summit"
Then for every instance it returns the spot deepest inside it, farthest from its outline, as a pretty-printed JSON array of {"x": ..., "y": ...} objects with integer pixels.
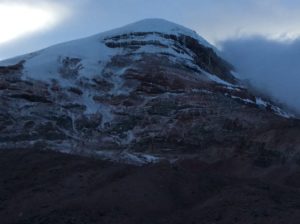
[{"x": 271, "y": 66}]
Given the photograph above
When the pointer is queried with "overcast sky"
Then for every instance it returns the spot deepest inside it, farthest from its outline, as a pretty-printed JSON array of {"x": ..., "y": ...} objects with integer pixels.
[
  {"x": 28, "y": 25},
  {"x": 260, "y": 37}
]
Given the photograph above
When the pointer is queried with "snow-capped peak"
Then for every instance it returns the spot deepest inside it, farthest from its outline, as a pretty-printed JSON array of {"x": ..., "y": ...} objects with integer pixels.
[
  {"x": 85, "y": 46},
  {"x": 94, "y": 52},
  {"x": 157, "y": 25}
]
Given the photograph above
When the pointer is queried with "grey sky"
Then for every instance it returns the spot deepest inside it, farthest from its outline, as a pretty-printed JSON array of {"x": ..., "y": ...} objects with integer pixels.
[{"x": 215, "y": 20}]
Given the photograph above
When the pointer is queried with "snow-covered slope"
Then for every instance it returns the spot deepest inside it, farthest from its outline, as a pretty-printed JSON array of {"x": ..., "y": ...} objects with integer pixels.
[
  {"x": 149, "y": 90},
  {"x": 94, "y": 54},
  {"x": 158, "y": 26}
]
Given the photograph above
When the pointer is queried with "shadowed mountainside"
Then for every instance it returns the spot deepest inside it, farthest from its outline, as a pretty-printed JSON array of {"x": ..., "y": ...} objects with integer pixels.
[{"x": 46, "y": 187}]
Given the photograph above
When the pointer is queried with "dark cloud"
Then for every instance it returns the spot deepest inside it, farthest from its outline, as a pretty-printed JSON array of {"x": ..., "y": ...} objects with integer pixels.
[{"x": 271, "y": 66}]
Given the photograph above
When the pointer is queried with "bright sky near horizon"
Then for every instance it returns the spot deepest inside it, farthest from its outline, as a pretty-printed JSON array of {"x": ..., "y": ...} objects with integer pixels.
[{"x": 28, "y": 25}]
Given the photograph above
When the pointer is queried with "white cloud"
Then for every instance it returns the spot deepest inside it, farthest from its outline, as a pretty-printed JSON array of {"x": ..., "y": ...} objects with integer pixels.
[{"x": 19, "y": 18}]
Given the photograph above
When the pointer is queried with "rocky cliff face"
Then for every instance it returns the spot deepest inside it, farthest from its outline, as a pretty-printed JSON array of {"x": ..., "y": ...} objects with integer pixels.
[{"x": 149, "y": 91}]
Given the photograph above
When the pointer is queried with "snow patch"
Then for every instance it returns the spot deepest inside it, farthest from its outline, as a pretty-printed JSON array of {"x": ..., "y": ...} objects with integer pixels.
[
  {"x": 128, "y": 157},
  {"x": 218, "y": 80},
  {"x": 245, "y": 100},
  {"x": 261, "y": 102}
]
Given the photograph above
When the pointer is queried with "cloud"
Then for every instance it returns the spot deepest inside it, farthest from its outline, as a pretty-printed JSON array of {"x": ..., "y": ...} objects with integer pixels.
[
  {"x": 21, "y": 18},
  {"x": 17, "y": 20},
  {"x": 24, "y": 22},
  {"x": 218, "y": 20},
  {"x": 271, "y": 66}
]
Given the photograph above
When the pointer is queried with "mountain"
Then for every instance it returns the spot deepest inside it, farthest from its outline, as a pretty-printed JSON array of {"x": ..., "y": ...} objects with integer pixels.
[{"x": 146, "y": 92}]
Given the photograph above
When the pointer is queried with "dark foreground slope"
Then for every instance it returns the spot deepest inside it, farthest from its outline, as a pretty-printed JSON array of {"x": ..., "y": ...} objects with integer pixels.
[{"x": 48, "y": 187}]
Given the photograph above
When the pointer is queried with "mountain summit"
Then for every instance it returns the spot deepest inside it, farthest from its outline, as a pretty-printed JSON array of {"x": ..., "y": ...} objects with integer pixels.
[
  {"x": 156, "y": 36},
  {"x": 148, "y": 91}
]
